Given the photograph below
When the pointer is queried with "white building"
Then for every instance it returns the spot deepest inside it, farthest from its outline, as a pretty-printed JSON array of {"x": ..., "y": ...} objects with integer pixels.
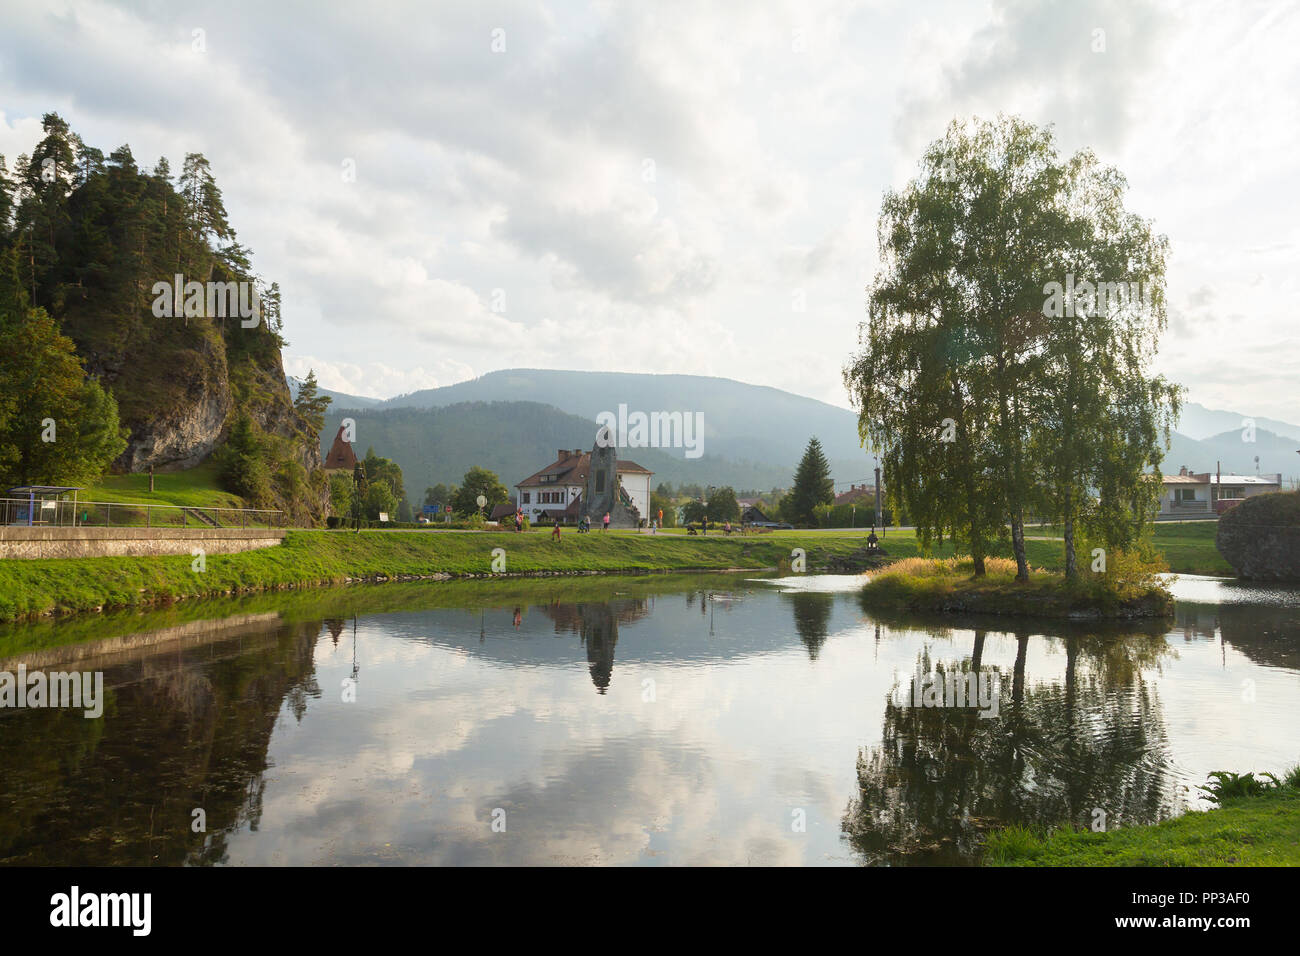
[
  {"x": 1189, "y": 494},
  {"x": 554, "y": 492}
]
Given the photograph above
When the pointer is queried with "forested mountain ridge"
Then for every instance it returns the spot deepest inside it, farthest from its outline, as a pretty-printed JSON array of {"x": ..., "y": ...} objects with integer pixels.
[
  {"x": 514, "y": 439},
  {"x": 754, "y": 435},
  {"x": 87, "y": 239}
]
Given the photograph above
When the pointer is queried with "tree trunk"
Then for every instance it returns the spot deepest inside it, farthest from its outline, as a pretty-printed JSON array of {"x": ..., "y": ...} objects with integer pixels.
[
  {"x": 1018, "y": 545},
  {"x": 1071, "y": 560}
]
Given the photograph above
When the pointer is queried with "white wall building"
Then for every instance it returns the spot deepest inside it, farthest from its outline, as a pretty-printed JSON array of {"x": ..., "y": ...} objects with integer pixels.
[
  {"x": 1189, "y": 494},
  {"x": 555, "y": 492}
]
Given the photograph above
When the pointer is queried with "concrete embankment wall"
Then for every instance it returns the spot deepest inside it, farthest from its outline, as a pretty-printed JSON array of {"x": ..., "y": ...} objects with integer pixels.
[{"x": 36, "y": 542}]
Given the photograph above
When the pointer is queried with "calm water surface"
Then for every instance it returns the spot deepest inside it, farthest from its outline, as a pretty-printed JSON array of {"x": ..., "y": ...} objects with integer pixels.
[{"x": 702, "y": 720}]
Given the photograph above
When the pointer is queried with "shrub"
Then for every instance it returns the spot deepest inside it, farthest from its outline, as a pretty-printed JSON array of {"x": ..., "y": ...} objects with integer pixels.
[{"x": 1225, "y": 785}]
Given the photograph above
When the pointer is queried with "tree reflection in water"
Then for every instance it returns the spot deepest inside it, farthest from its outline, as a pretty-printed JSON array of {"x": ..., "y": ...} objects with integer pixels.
[
  {"x": 812, "y": 615},
  {"x": 1091, "y": 738}
]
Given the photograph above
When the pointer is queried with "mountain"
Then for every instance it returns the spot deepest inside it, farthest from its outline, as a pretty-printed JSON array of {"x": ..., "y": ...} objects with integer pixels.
[
  {"x": 1277, "y": 454},
  {"x": 514, "y": 439},
  {"x": 513, "y": 420},
  {"x": 1197, "y": 421},
  {"x": 339, "y": 399},
  {"x": 743, "y": 423}
]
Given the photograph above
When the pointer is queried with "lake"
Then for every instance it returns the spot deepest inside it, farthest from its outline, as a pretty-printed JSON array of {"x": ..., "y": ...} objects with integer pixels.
[{"x": 650, "y": 720}]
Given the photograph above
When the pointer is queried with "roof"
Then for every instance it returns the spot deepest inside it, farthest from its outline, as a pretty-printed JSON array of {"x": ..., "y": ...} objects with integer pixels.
[
  {"x": 1246, "y": 479},
  {"x": 503, "y": 510},
  {"x": 340, "y": 454},
  {"x": 572, "y": 470},
  {"x": 854, "y": 495},
  {"x": 1209, "y": 478},
  {"x": 44, "y": 489}
]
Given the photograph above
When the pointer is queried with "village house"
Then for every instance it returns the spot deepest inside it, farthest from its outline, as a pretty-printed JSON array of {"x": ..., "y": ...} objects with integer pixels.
[
  {"x": 554, "y": 493},
  {"x": 856, "y": 495},
  {"x": 1189, "y": 494}
]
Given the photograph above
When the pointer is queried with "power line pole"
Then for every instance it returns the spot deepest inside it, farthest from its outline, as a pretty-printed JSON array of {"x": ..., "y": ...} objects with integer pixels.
[{"x": 879, "y": 520}]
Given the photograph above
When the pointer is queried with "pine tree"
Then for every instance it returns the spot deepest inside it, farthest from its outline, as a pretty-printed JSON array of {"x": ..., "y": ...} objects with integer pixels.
[
  {"x": 311, "y": 405},
  {"x": 813, "y": 486}
]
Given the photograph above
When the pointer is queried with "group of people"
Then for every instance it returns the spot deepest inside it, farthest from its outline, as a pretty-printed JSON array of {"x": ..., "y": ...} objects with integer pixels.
[{"x": 584, "y": 525}]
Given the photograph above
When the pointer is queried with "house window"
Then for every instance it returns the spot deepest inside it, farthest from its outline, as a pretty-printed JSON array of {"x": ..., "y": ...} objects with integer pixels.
[
  {"x": 526, "y": 499},
  {"x": 1185, "y": 494}
]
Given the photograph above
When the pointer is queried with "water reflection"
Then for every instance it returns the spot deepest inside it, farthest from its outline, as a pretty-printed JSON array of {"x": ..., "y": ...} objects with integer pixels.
[
  {"x": 769, "y": 702},
  {"x": 812, "y": 614},
  {"x": 597, "y": 626},
  {"x": 183, "y": 729},
  {"x": 1087, "y": 743}
]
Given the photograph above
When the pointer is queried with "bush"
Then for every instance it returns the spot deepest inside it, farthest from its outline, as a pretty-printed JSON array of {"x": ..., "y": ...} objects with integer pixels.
[{"x": 1128, "y": 573}]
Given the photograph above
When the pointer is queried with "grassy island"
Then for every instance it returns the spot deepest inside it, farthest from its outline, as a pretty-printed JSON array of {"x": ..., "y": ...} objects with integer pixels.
[{"x": 949, "y": 585}]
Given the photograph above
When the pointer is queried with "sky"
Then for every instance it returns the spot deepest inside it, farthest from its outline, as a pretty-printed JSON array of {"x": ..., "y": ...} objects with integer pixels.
[{"x": 444, "y": 190}]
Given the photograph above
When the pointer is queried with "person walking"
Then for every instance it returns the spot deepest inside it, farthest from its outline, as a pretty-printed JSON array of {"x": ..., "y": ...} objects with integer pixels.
[
  {"x": 555, "y": 535},
  {"x": 606, "y": 522}
]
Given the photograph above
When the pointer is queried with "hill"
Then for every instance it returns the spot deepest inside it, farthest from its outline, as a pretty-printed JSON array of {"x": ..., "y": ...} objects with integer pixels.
[
  {"x": 1198, "y": 422},
  {"x": 514, "y": 439},
  {"x": 754, "y": 435},
  {"x": 97, "y": 242},
  {"x": 339, "y": 399},
  {"x": 1276, "y": 454}
]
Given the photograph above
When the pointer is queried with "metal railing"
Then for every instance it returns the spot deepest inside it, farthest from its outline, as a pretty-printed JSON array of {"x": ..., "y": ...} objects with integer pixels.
[{"x": 121, "y": 514}]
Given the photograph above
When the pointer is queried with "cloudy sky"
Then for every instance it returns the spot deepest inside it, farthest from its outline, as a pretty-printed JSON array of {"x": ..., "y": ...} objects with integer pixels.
[{"x": 660, "y": 187}]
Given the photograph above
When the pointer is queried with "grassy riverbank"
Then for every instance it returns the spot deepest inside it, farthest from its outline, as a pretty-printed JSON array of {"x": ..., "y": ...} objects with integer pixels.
[
  {"x": 310, "y": 558},
  {"x": 1261, "y": 830},
  {"x": 918, "y": 584}
]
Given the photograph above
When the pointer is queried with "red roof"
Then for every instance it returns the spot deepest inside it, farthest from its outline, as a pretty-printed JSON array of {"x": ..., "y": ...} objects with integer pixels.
[
  {"x": 340, "y": 454},
  {"x": 855, "y": 494},
  {"x": 571, "y": 469}
]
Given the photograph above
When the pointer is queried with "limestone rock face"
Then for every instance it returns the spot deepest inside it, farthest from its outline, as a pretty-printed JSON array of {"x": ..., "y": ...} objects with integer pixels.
[
  {"x": 1260, "y": 537},
  {"x": 180, "y": 436}
]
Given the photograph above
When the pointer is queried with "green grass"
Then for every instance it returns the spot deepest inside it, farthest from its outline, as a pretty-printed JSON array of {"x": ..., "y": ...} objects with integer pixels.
[
  {"x": 1188, "y": 547},
  {"x": 310, "y": 558},
  {"x": 313, "y": 557},
  {"x": 195, "y": 488},
  {"x": 1261, "y": 830},
  {"x": 918, "y": 584}
]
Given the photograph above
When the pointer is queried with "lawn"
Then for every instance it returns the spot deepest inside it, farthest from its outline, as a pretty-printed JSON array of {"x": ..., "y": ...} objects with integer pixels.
[
  {"x": 195, "y": 488},
  {"x": 1259, "y": 830},
  {"x": 316, "y": 557}
]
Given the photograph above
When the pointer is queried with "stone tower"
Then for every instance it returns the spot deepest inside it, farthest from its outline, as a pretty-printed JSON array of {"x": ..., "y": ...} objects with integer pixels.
[{"x": 602, "y": 492}]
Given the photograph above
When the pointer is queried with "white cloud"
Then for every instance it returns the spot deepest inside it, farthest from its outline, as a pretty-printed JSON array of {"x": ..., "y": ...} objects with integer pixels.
[{"x": 773, "y": 131}]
